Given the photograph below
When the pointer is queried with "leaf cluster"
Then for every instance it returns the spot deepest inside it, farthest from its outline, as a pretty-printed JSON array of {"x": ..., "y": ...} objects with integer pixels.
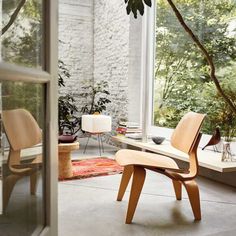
[
  {"x": 67, "y": 119},
  {"x": 137, "y": 5},
  {"x": 63, "y": 74},
  {"x": 67, "y": 109},
  {"x": 96, "y": 97},
  {"x": 24, "y": 47},
  {"x": 218, "y": 111}
]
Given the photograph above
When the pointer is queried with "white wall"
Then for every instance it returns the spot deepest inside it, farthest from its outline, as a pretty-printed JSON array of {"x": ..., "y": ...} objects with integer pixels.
[
  {"x": 101, "y": 42},
  {"x": 111, "y": 53},
  {"x": 76, "y": 46},
  {"x": 134, "y": 76},
  {"x": 117, "y": 57}
]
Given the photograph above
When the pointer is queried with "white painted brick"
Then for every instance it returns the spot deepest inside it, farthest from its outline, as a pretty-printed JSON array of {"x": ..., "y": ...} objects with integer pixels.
[{"x": 97, "y": 45}]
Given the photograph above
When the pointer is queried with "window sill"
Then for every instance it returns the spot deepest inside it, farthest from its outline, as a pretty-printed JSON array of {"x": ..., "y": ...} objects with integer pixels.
[{"x": 208, "y": 159}]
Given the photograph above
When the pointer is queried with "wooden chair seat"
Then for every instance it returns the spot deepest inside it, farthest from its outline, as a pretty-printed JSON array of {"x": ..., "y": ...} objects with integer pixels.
[
  {"x": 27, "y": 168},
  {"x": 127, "y": 157},
  {"x": 185, "y": 138}
]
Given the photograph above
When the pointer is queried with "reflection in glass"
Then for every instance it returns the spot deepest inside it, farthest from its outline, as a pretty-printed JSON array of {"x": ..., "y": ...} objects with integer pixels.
[
  {"x": 22, "y": 165},
  {"x": 22, "y": 32}
]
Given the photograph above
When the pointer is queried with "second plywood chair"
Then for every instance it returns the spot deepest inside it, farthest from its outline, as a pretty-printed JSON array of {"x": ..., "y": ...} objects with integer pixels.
[
  {"x": 185, "y": 138},
  {"x": 22, "y": 132}
]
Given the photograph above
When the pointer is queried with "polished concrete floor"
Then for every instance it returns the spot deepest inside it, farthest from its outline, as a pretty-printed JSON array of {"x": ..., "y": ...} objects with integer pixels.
[
  {"x": 24, "y": 214},
  {"x": 88, "y": 207}
]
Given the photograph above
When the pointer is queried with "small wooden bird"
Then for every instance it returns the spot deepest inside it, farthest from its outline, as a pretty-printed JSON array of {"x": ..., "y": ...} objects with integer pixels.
[{"x": 215, "y": 139}]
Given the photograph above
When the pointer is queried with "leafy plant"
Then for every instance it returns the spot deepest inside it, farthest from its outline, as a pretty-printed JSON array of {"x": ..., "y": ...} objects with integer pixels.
[
  {"x": 137, "y": 5},
  {"x": 219, "y": 113},
  {"x": 96, "y": 96},
  {"x": 67, "y": 120},
  {"x": 25, "y": 46}
]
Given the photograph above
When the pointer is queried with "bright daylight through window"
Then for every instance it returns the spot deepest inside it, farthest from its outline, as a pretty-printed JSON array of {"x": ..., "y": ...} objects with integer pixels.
[{"x": 182, "y": 77}]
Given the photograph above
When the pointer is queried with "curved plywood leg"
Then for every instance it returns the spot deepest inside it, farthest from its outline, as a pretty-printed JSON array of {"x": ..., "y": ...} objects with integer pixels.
[
  {"x": 194, "y": 197},
  {"x": 127, "y": 173},
  {"x": 8, "y": 185},
  {"x": 33, "y": 183},
  {"x": 178, "y": 189},
  {"x": 137, "y": 185}
]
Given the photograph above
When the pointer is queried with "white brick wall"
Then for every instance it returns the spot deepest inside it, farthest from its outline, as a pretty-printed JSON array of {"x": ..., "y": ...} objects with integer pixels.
[
  {"x": 76, "y": 43},
  {"x": 111, "y": 53},
  {"x": 97, "y": 45}
]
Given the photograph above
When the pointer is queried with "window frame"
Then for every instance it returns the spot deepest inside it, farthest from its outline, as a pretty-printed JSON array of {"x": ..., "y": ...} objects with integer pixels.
[
  {"x": 147, "y": 80},
  {"x": 47, "y": 77},
  {"x": 147, "y": 77}
]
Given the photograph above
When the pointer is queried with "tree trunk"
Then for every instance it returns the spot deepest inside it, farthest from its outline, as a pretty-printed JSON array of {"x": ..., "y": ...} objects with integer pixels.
[
  {"x": 13, "y": 16},
  {"x": 206, "y": 55}
]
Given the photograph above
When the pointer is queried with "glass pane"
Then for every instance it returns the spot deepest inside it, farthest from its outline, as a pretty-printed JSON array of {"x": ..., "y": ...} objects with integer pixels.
[
  {"x": 22, "y": 211},
  {"x": 182, "y": 76},
  {"x": 21, "y": 37}
]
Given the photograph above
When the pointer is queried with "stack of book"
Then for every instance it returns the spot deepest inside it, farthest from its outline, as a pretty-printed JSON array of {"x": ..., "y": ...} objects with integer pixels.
[{"x": 130, "y": 130}]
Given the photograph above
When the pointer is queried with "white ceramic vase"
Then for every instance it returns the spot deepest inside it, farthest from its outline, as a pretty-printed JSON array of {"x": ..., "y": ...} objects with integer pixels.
[{"x": 227, "y": 154}]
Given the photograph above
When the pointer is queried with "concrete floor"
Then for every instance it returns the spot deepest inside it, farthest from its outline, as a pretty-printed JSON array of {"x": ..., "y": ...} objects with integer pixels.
[
  {"x": 88, "y": 207},
  {"x": 24, "y": 213}
]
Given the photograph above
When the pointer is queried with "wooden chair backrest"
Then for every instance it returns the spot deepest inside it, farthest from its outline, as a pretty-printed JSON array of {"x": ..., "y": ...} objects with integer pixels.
[
  {"x": 187, "y": 131},
  {"x": 21, "y": 129}
]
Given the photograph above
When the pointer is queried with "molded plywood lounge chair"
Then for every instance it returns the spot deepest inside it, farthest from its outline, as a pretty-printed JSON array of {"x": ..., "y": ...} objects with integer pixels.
[
  {"x": 185, "y": 138},
  {"x": 22, "y": 132}
]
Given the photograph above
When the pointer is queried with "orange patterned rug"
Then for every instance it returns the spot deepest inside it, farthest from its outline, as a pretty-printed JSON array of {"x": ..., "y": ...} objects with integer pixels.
[{"x": 99, "y": 166}]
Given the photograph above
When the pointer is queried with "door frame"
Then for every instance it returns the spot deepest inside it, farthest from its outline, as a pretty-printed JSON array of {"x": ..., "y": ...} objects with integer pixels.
[{"x": 49, "y": 78}]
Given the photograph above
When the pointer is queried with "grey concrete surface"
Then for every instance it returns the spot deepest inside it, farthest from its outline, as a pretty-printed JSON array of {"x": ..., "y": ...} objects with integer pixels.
[
  {"x": 88, "y": 207},
  {"x": 24, "y": 213}
]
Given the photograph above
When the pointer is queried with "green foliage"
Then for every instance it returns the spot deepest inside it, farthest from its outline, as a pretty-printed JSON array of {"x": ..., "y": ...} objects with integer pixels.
[
  {"x": 219, "y": 113},
  {"x": 182, "y": 80},
  {"x": 95, "y": 101},
  {"x": 20, "y": 45},
  {"x": 96, "y": 97},
  {"x": 137, "y": 5},
  {"x": 63, "y": 73},
  {"x": 67, "y": 120},
  {"x": 24, "y": 95},
  {"x": 22, "y": 42}
]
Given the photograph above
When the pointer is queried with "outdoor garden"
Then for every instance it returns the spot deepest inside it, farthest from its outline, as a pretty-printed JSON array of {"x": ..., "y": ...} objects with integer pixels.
[{"x": 182, "y": 74}]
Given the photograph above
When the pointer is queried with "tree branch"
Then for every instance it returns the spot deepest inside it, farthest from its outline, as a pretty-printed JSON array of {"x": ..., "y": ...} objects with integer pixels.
[
  {"x": 134, "y": 6},
  {"x": 206, "y": 55},
  {"x": 169, "y": 78},
  {"x": 13, "y": 16}
]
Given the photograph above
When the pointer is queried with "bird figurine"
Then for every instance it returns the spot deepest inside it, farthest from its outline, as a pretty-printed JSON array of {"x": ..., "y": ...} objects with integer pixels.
[{"x": 215, "y": 139}]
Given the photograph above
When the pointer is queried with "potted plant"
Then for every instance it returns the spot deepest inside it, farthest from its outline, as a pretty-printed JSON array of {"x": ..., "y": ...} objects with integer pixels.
[
  {"x": 96, "y": 97},
  {"x": 67, "y": 120}
]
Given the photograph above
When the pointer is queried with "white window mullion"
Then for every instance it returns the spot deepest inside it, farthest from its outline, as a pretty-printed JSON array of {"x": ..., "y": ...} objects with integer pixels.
[{"x": 147, "y": 70}]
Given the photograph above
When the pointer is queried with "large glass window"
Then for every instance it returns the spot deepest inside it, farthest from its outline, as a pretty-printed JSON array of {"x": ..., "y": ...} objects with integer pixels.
[
  {"x": 22, "y": 32},
  {"x": 28, "y": 117},
  {"x": 182, "y": 81},
  {"x": 22, "y": 160}
]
